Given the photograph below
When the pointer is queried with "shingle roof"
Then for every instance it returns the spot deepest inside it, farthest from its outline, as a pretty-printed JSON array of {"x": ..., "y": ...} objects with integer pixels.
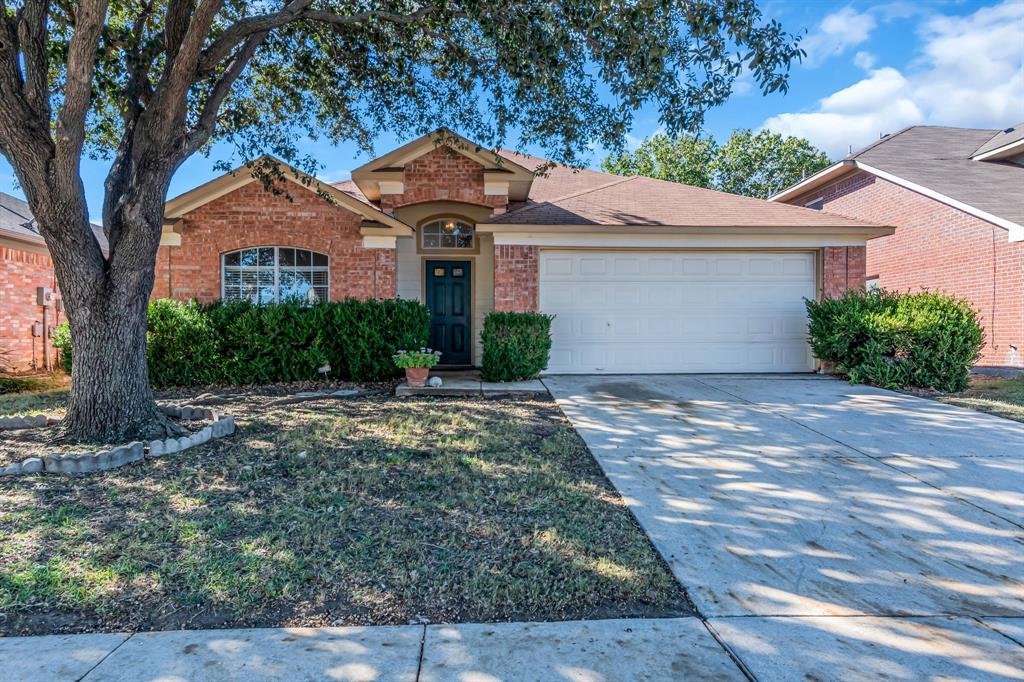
[
  {"x": 939, "y": 159},
  {"x": 16, "y": 220},
  {"x": 641, "y": 201},
  {"x": 1001, "y": 139},
  {"x": 350, "y": 188},
  {"x": 557, "y": 181}
]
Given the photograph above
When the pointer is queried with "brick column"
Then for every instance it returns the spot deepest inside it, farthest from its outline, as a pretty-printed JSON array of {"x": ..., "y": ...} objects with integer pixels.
[
  {"x": 516, "y": 278},
  {"x": 844, "y": 267},
  {"x": 385, "y": 273}
]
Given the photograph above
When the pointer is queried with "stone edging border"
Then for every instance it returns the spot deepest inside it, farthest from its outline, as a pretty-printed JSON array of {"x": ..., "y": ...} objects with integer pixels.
[
  {"x": 32, "y": 421},
  {"x": 89, "y": 462}
]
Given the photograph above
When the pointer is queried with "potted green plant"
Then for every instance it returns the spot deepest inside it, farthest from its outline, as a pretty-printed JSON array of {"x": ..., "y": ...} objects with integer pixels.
[{"x": 417, "y": 364}]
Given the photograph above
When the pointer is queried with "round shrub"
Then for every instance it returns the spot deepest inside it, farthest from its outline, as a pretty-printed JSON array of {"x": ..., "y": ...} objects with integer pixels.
[
  {"x": 890, "y": 339},
  {"x": 516, "y": 345}
]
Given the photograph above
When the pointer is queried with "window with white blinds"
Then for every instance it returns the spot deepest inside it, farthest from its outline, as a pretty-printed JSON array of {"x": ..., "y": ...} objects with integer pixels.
[{"x": 274, "y": 274}]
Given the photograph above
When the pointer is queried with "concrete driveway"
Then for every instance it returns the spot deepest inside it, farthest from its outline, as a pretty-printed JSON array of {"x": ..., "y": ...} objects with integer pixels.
[{"x": 825, "y": 531}]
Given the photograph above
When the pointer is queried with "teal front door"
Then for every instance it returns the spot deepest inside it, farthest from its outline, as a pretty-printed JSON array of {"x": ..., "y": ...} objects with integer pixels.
[{"x": 448, "y": 290}]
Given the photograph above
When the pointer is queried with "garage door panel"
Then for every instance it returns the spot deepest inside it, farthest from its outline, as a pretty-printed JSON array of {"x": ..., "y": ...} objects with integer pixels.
[
  {"x": 600, "y": 357},
  {"x": 677, "y": 312}
]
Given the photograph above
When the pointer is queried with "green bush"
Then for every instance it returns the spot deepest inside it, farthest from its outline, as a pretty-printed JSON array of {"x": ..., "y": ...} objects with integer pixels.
[
  {"x": 239, "y": 343},
  {"x": 61, "y": 339},
  {"x": 890, "y": 339},
  {"x": 516, "y": 345}
]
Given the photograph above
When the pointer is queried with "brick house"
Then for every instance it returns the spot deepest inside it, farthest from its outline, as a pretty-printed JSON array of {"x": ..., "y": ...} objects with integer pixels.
[
  {"x": 25, "y": 266},
  {"x": 956, "y": 196},
  {"x": 642, "y": 275}
]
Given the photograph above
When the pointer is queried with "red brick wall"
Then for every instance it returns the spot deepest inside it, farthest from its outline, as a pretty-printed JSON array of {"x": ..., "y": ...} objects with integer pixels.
[
  {"x": 251, "y": 216},
  {"x": 443, "y": 175},
  {"x": 843, "y": 268},
  {"x": 20, "y": 273},
  {"x": 516, "y": 278},
  {"x": 940, "y": 248}
]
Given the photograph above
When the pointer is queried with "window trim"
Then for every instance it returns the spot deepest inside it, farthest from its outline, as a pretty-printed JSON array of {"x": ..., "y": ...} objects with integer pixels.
[
  {"x": 420, "y": 248},
  {"x": 821, "y": 200},
  {"x": 276, "y": 267}
]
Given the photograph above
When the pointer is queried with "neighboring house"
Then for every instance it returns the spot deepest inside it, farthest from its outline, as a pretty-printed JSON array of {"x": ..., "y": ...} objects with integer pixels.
[
  {"x": 642, "y": 275},
  {"x": 25, "y": 266},
  {"x": 956, "y": 196}
]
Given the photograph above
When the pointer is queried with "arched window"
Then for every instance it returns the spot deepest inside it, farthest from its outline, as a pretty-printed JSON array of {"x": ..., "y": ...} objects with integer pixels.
[
  {"x": 447, "y": 233},
  {"x": 272, "y": 274}
]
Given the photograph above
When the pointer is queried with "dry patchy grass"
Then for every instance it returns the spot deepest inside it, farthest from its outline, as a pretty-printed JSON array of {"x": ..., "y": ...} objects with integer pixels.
[
  {"x": 1001, "y": 397},
  {"x": 363, "y": 511}
]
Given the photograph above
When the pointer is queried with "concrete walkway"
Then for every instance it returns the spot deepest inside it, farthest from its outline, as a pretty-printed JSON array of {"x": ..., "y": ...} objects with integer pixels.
[
  {"x": 577, "y": 651},
  {"x": 825, "y": 531},
  {"x": 467, "y": 383}
]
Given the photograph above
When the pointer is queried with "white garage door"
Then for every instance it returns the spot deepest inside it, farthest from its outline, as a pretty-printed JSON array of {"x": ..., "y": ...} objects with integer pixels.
[{"x": 677, "y": 311}]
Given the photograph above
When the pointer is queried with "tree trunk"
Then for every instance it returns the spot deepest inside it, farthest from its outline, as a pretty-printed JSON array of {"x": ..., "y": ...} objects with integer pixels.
[
  {"x": 106, "y": 301},
  {"x": 111, "y": 400}
]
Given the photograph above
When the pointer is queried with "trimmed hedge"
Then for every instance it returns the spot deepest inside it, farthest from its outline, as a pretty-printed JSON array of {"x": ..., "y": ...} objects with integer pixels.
[
  {"x": 516, "y": 345},
  {"x": 890, "y": 339},
  {"x": 239, "y": 343}
]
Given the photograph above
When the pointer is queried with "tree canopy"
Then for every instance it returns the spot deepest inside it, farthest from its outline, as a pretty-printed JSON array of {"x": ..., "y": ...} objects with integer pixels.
[
  {"x": 752, "y": 164},
  {"x": 147, "y": 83}
]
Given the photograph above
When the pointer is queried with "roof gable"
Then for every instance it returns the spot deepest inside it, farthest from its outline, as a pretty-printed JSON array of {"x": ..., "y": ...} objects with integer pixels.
[
  {"x": 939, "y": 163},
  {"x": 390, "y": 166},
  {"x": 241, "y": 176}
]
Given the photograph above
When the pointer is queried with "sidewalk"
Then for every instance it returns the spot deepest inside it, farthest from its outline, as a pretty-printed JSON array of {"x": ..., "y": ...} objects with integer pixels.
[{"x": 577, "y": 651}]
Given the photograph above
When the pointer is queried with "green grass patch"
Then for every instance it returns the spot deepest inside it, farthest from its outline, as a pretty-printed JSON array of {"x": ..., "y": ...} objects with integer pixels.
[{"x": 1002, "y": 397}]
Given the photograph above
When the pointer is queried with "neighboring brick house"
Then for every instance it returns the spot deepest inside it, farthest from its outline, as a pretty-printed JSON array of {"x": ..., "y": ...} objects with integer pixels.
[
  {"x": 956, "y": 196},
  {"x": 642, "y": 275},
  {"x": 25, "y": 266}
]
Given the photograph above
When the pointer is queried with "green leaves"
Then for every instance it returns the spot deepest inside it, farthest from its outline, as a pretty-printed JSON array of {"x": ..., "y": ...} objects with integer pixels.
[
  {"x": 891, "y": 339},
  {"x": 765, "y": 163},
  {"x": 751, "y": 164},
  {"x": 238, "y": 343},
  {"x": 516, "y": 345},
  {"x": 687, "y": 159},
  {"x": 342, "y": 70}
]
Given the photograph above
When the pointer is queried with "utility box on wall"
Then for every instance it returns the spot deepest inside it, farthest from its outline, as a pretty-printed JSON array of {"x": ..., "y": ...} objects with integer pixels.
[{"x": 44, "y": 297}]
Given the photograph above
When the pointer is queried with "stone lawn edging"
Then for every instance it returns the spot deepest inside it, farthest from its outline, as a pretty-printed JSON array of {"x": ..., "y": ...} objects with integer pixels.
[{"x": 90, "y": 462}]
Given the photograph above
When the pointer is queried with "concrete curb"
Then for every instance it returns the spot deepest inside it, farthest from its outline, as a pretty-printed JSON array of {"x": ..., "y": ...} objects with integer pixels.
[{"x": 91, "y": 462}]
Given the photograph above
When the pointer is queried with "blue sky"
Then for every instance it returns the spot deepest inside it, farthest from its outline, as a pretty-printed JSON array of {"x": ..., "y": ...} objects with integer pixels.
[{"x": 871, "y": 68}]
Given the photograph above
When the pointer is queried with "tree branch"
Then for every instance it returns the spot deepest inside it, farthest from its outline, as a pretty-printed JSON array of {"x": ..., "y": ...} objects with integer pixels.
[
  {"x": 32, "y": 38},
  {"x": 299, "y": 9},
  {"x": 90, "y": 16},
  {"x": 204, "y": 128}
]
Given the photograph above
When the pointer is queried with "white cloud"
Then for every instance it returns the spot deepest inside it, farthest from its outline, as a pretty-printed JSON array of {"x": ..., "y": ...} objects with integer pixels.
[
  {"x": 969, "y": 73},
  {"x": 864, "y": 60},
  {"x": 837, "y": 33}
]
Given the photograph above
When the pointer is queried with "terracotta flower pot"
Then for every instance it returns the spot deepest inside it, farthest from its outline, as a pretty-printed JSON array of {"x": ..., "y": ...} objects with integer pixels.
[{"x": 416, "y": 376}]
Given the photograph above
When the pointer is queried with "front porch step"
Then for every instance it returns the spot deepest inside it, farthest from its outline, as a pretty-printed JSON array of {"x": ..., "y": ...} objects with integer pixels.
[{"x": 468, "y": 384}]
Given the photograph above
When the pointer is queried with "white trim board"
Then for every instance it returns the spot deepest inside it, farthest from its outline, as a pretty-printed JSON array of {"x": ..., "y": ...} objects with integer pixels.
[
  {"x": 834, "y": 171},
  {"x": 678, "y": 241}
]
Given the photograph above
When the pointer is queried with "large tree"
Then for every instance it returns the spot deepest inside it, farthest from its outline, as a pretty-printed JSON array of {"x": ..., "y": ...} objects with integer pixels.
[
  {"x": 765, "y": 163},
  {"x": 685, "y": 158},
  {"x": 752, "y": 164},
  {"x": 148, "y": 83}
]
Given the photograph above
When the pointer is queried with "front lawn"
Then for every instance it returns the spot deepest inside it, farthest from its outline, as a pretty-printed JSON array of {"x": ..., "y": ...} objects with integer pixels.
[{"x": 364, "y": 510}]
